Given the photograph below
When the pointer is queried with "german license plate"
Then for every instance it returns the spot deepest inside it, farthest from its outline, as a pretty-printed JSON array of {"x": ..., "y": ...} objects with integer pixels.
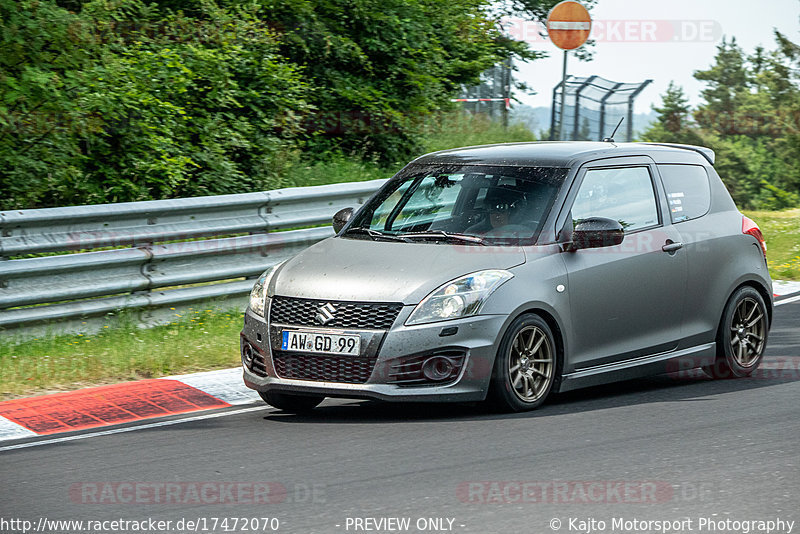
[{"x": 322, "y": 343}]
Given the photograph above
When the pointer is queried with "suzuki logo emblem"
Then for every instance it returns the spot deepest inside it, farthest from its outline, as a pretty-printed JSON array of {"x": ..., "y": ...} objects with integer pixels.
[{"x": 325, "y": 313}]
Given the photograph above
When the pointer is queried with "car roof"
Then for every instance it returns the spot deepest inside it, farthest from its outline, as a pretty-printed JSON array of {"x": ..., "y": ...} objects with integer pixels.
[{"x": 566, "y": 153}]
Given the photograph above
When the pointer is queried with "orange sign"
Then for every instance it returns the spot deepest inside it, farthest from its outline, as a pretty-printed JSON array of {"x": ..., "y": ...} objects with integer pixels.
[{"x": 568, "y": 25}]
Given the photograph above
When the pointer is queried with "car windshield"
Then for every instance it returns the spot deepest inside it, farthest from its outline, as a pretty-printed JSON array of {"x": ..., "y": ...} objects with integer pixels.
[{"x": 469, "y": 204}]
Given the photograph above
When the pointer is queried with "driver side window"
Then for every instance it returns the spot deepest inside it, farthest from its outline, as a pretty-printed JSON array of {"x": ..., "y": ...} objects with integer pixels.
[{"x": 624, "y": 194}]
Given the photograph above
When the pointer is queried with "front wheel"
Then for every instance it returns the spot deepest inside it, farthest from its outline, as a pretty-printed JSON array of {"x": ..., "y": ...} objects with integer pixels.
[
  {"x": 742, "y": 335},
  {"x": 527, "y": 366},
  {"x": 291, "y": 403}
]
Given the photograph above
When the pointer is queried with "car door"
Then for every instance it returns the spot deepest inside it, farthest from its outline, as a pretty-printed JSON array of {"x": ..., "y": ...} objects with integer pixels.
[{"x": 626, "y": 301}]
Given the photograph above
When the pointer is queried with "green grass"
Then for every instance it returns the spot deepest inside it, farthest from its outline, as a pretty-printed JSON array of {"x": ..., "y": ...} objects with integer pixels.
[
  {"x": 781, "y": 230},
  {"x": 449, "y": 131},
  {"x": 197, "y": 340},
  {"x": 335, "y": 170},
  {"x": 458, "y": 130}
]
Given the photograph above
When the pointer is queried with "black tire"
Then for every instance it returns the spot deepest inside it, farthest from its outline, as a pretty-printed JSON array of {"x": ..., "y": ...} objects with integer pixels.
[
  {"x": 742, "y": 335},
  {"x": 527, "y": 367},
  {"x": 289, "y": 402}
]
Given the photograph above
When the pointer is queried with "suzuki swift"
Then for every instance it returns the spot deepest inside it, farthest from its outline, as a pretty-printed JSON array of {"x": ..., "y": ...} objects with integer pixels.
[{"x": 510, "y": 272}]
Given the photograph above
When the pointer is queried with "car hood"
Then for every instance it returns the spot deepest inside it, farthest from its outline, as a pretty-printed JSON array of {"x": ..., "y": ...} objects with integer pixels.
[{"x": 382, "y": 271}]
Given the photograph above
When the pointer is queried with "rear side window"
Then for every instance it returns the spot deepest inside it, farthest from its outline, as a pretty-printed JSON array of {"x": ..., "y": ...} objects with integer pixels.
[{"x": 688, "y": 191}]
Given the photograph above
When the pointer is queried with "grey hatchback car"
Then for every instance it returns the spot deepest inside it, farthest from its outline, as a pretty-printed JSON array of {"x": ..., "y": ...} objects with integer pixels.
[{"x": 510, "y": 272}]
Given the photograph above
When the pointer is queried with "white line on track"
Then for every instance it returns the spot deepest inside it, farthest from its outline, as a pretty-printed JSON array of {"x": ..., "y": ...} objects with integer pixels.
[
  {"x": 787, "y": 301},
  {"x": 132, "y": 428}
]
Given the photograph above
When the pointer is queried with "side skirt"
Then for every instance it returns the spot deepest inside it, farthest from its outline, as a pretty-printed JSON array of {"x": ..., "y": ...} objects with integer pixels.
[{"x": 665, "y": 362}]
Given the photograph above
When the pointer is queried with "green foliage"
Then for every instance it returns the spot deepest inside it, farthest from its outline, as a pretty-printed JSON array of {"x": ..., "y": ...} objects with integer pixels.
[
  {"x": 445, "y": 131},
  {"x": 750, "y": 117},
  {"x": 457, "y": 130},
  {"x": 109, "y": 110},
  {"x": 381, "y": 68},
  {"x": 110, "y": 101}
]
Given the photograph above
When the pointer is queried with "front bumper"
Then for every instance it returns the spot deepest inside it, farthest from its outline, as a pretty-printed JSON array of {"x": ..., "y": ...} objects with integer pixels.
[{"x": 477, "y": 337}]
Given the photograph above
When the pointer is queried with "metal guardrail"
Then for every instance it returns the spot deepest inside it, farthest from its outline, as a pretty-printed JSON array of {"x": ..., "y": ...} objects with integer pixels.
[{"x": 168, "y": 243}]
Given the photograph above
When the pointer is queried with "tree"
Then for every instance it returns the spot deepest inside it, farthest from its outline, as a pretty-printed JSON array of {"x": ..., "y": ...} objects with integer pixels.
[
  {"x": 673, "y": 124},
  {"x": 124, "y": 102},
  {"x": 379, "y": 68},
  {"x": 727, "y": 82},
  {"x": 674, "y": 111}
]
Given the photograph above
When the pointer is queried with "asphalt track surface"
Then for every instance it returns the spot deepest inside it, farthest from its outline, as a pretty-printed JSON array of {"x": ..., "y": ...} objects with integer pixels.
[{"x": 666, "y": 448}]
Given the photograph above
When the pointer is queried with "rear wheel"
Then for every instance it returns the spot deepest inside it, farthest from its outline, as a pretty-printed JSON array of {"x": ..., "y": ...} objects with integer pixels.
[
  {"x": 742, "y": 335},
  {"x": 289, "y": 402},
  {"x": 526, "y": 367}
]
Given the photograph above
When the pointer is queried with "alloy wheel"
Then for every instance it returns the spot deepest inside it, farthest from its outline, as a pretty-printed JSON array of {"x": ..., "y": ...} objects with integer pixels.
[
  {"x": 530, "y": 365},
  {"x": 748, "y": 325}
]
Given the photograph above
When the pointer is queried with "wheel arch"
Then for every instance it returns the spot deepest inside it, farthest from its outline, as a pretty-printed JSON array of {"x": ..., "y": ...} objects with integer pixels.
[
  {"x": 763, "y": 291},
  {"x": 555, "y": 327}
]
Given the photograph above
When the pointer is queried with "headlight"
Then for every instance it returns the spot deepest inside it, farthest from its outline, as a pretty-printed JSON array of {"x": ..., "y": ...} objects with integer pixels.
[
  {"x": 460, "y": 298},
  {"x": 259, "y": 293}
]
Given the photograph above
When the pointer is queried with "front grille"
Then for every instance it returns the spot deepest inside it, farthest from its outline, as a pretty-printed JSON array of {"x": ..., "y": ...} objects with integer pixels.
[
  {"x": 323, "y": 368},
  {"x": 302, "y": 312}
]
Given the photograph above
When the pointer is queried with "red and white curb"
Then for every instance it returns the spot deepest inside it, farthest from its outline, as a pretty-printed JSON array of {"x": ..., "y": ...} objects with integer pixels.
[
  {"x": 225, "y": 384},
  {"x": 781, "y": 288},
  {"x": 127, "y": 402},
  {"x": 123, "y": 403}
]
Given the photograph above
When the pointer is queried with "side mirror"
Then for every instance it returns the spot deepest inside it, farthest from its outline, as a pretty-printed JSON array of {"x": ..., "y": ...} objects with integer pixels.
[
  {"x": 596, "y": 232},
  {"x": 340, "y": 218}
]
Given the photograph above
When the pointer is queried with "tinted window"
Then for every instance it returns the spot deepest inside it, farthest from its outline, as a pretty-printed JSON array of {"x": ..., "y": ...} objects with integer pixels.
[
  {"x": 494, "y": 203},
  {"x": 688, "y": 191},
  {"x": 429, "y": 202},
  {"x": 623, "y": 194}
]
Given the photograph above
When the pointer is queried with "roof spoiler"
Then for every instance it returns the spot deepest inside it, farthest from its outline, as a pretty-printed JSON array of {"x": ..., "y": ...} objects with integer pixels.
[{"x": 703, "y": 151}]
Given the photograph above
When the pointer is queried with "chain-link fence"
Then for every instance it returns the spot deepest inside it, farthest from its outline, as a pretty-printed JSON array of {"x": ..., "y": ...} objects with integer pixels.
[
  {"x": 492, "y": 96},
  {"x": 593, "y": 107}
]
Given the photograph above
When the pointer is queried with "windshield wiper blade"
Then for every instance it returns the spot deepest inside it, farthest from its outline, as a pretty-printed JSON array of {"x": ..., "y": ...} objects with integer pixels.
[
  {"x": 441, "y": 233},
  {"x": 375, "y": 234}
]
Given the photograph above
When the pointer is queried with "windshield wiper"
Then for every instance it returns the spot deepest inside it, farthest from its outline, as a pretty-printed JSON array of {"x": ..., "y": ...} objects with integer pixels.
[
  {"x": 375, "y": 234},
  {"x": 433, "y": 234}
]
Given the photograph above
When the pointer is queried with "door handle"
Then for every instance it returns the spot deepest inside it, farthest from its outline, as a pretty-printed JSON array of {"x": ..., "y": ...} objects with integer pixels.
[{"x": 671, "y": 246}]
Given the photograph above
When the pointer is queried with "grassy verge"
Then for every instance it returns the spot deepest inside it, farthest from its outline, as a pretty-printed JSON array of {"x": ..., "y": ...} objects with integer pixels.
[
  {"x": 198, "y": 340},
  {"x": 781, "y": 230},
  {"x": 466, "y": 130},
  {"x": 450, "y": 131}
]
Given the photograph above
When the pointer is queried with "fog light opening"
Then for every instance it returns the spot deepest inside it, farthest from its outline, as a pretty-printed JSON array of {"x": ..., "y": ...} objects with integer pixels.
[
  {"x": 247, "y": 356},
  {"x": 438, "y": 368}
]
